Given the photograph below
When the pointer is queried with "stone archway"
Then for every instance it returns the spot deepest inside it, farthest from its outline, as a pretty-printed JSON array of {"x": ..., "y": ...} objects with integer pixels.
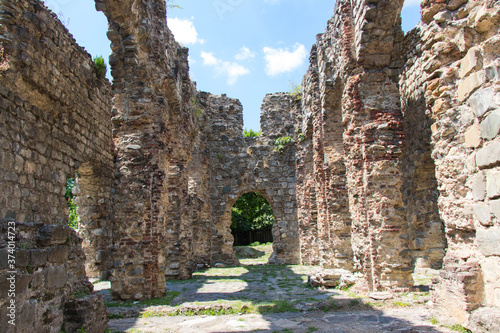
[{"x": 285, "y": 228}]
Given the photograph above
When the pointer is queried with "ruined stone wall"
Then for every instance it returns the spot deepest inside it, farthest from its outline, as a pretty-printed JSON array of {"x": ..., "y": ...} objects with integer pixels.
[
  {"x": 426, "y": 235},
  {"x": 154, "y": 131},
  {"x": 460, "y": 48},
  {"x": 55, "y": 116},
  {"x": 358, "y": 141},
  {"x": 48, "y": 280},
  {"x": 419, "y": 130},
  {"x": 239, "y": 165}
]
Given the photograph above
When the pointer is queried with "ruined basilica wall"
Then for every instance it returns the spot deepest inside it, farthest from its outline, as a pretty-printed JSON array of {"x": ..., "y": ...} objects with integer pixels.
[
  {"x": 460, "y": 60},
  {"x": 239, "y": 165},
  {"x": 420, "y": 195},
  {"x": 55, "y": 120},
  {"x": 55, "y": 117}
]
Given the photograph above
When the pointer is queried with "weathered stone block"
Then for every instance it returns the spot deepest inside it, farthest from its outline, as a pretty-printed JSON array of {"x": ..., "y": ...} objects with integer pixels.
[
  {"x": 488, "y": 155},
  {"x": 479, "y": 186},
  {"x": 55, "y": 276},
  {"x": 493, "y": 73},
  {"x": 472, "y": 61},
  {"x": 38, "y": 257},
  {"x": 53, "y": 235},
  {"x": 58, "y": 255},
  {"x": 491, "y": 125},
  {"x": 470, "y": 83},
  {"x": 22, "y": 258},
  {"x": 87, "y": 313},
  {"x": 473, "y": 136},
  {"x": 495, "y": 208},
  {"x": 488, "y": 241},
  {"x": 483, "y": 100},
  {"x": 482, "y": 213},
  {"x": 493, "y": 183},
  {"x": 485, "y": 320}
]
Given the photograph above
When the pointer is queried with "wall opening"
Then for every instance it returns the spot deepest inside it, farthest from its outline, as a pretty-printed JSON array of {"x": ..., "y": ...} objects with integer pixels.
[
  {"x": 70, "y": 197},
  {"x": 252, "y": 220},
  {"x": 410, "y": 15}
]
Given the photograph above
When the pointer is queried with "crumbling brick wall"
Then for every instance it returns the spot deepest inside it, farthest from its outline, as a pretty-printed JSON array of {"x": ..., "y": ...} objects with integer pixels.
[{"x": 154, "y": 132}]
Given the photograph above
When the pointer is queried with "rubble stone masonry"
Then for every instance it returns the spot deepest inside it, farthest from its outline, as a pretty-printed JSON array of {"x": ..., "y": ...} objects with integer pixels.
[{"x": 394, "y": 162}]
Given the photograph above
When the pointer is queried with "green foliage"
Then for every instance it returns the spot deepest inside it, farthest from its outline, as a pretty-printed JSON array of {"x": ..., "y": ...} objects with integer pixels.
[
  {"x": 295, "y": 91},
  {"x": 434, "y": 321},
  {"x": 100, "y": 67},
  {"x": 171, "y": 5},
  {"x": 251, "y": 133},
  {"x": 282, "y": 142},
  {"x": 460, "y": 328},
  {"x": 116, "y": 316},
  {"x": 81, "y": 294},
  {"x": 70, "y": 198},
  {"x": 252, "y": 212},
  {"x": 301, "y": 137},
  {"x": 400, "y": 304},
  {"x": 196, "y": 108}
]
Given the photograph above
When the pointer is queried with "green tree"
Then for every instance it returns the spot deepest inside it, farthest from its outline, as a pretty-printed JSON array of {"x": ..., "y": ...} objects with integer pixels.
[{"x": 252, "y": 212}]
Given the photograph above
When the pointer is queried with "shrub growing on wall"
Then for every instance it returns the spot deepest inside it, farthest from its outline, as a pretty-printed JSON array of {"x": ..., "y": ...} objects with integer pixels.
[{"x": 100, "y": 67}]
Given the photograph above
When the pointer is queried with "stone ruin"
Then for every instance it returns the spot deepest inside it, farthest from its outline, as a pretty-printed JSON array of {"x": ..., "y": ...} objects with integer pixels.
[{"x": 395, "y": 160}]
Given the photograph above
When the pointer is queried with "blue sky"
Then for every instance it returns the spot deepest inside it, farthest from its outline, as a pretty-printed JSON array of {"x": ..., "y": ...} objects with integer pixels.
[{"x": 243, "y": 48}]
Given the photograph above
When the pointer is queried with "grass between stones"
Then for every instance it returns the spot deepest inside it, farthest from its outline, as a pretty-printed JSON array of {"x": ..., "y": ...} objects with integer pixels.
[{"x": 254, "y": 289}]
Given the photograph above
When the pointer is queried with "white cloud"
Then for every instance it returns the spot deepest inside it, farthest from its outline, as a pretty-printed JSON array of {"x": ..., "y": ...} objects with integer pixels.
[
  {"x": 208, "y": 58},
  {"x": 412, "y": 3},
  {"x": 244, "y": 54},
  {"x": 184, "y": 31},
  {"x": 232, "y": 70},
  {"x": 280, "y": 61}
]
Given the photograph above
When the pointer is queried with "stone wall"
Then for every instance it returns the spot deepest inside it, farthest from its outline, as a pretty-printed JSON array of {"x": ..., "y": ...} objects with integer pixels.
[
  {"x": 394, "y": 162},
  {"x": 460, "y": 48},
  {"x": 48, "y": 280},
  {"x": 154, "y": 131},
  {"x": 419, "y": 132},
  {"x": 426, "y": 235},
  {"x": 239, "y": 165},
  {"x": 55, "y": 115}
]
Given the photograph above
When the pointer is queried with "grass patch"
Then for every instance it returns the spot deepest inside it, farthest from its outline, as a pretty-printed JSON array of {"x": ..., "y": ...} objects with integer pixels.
[
  {"x": 116, "y": 316},
  {"x": 399, "y": 304},
  {"x": 278, "y": 306},
  {"x": 353, "y": 302},
  {"x": 312, "y": 329},
  {"x": 459, "y": 328},
  {"x": 434, "y": 321}
]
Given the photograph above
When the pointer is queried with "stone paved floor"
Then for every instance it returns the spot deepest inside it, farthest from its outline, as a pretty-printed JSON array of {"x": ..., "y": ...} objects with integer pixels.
[{"x": 277, "y": 298}]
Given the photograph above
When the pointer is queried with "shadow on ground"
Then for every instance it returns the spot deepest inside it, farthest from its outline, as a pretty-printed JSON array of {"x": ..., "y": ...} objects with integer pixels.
[{"x": 267, "y": 298}]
